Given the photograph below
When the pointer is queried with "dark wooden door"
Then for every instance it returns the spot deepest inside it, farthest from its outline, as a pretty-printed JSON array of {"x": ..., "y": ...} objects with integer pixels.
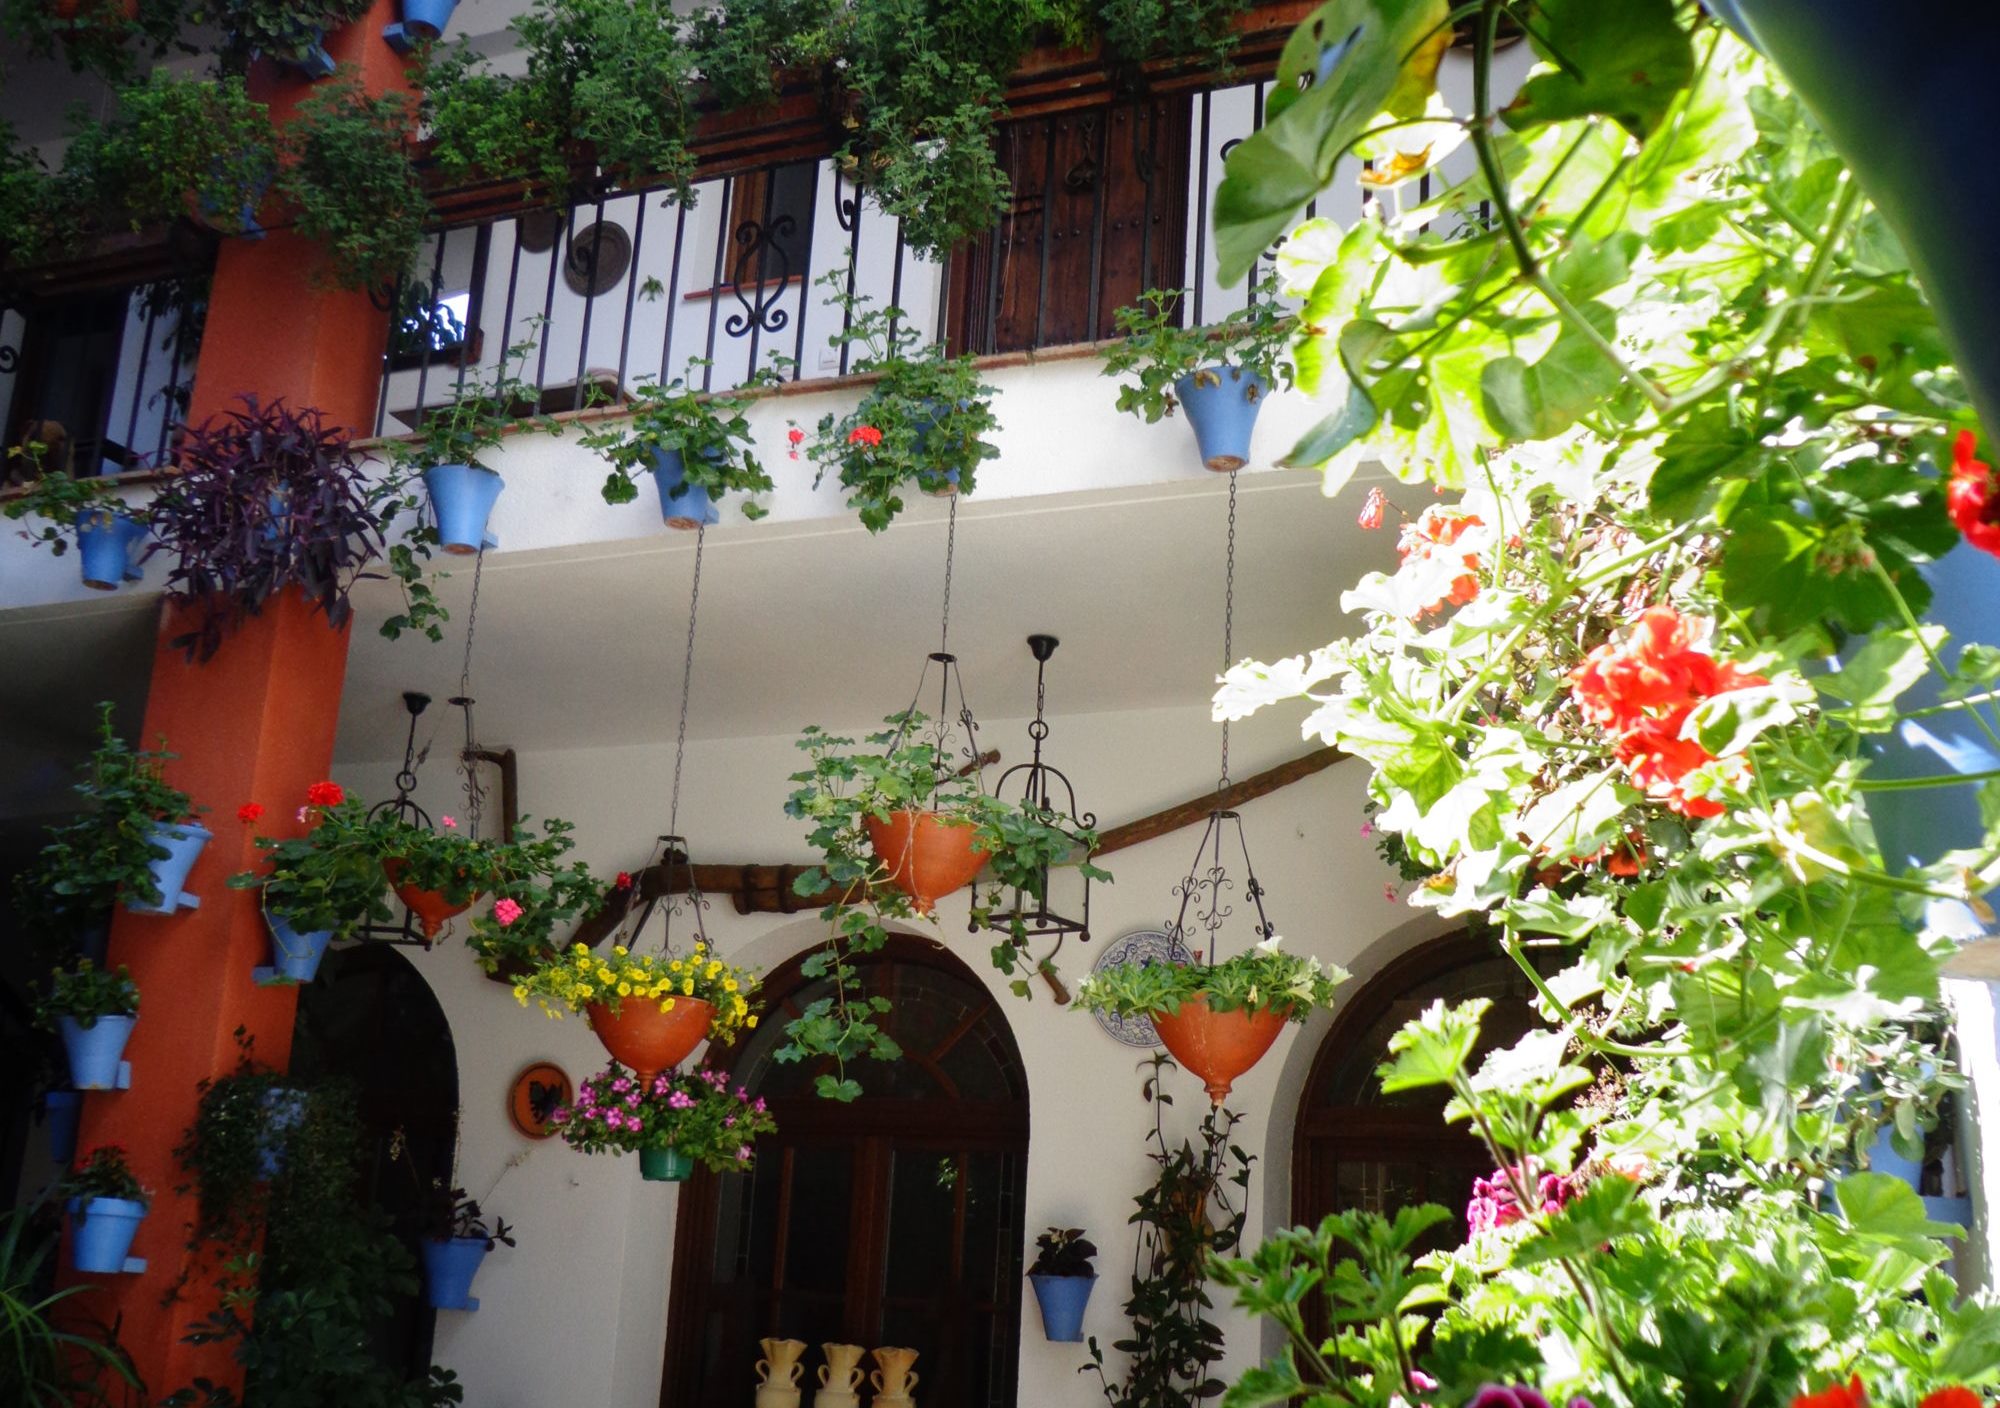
[
  {"x": 894, "y": 1220},
  {"x": 1099, "y": 215}
]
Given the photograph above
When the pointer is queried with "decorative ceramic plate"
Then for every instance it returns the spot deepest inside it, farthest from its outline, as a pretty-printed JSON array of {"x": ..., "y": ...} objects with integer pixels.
[
  {"x": 534, "y": 1096},
  {"x": 1136, "y": 947}
]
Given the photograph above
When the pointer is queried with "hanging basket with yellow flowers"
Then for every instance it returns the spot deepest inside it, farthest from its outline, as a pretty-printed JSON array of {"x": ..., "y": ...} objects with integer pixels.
[{"x": 650, "y": 1010}]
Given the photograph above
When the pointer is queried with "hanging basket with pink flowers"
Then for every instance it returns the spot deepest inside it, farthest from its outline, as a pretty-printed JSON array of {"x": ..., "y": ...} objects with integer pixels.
[{"x": 673, "y": 1120}]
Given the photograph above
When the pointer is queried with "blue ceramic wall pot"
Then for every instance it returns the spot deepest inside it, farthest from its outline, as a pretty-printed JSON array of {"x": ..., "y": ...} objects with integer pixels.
[
  {"x": 283, "y": 1110},
  {"x": 462, "y": 498},
  {"x": 1063, "y": 1299},
  {"x": 61, "y": 1108},
  {"x": 295, "y": 956},
  {"x": 426, "y": 19},
  {"x": 1222, "y": 405},
  {"x": 682, "y": 505},
  {"x": 449, "y": 1267},
  {"x": 101, "y": 1232},
  {"x": 1884, "y": 82},
  {"x": 96, "y": 1052},
  {"x": 665, "y": 1166},
  {"x": 106, "y": 542},
  {"x": 183, "y": 842}
]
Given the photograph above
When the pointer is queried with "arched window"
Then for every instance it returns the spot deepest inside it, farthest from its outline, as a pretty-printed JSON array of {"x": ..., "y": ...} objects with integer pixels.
[
  {"x": 893, "y": 1220},
  {"x": 1358, "y": 1148}
]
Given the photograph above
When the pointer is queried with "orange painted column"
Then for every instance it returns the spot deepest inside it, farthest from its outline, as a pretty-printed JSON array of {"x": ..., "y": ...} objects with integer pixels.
[{"x": 255, "y": 723}]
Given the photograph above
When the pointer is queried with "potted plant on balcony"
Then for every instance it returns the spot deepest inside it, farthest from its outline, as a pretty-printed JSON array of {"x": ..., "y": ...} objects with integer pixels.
[
  {"x": 107, "y": 534},
  {"x": 94, "y": 1012},
  {"x": 456, "y": 1241},
  {"x": 649, "y": 1010},
  {"x": 265, "y": 499},
  {"x": 289, "y": 33},
  {"x": 1220, "y": 374},
  {"x": 925, "y": 421},
  {"x": 533, "y": 892},
  {"x": 696, "y": 445},
  {"x": 352, "y": 185},
  {"x": 445, "y": 453},
  {"x": 106, "y": 1203},
  {"x": 674, "y": 1121},
  {"x": 180, "y": 146},
  {"x": 1218, "y": 1019},
  {"x": 1063, "y": 1279},
  {"x": 319, "y": 886}
]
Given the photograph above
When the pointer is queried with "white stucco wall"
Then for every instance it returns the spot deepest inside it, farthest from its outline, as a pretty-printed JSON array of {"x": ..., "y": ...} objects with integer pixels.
[{"x": 578, "y": 1313}]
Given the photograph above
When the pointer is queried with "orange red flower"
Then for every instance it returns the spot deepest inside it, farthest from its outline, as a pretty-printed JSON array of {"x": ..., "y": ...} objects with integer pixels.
[
  {"x": 1956, "y": 1396},
  {"x": 325, "y": 794},
  {"x": 1847, "y": 1395},
  {"x": 1973, "y": 497},
  {"x": 867, "y": 436},
  {"x": 249, "y": 811},
  {"x": 1426, "y": 545},
  {"x": 1370, "y": 516}
]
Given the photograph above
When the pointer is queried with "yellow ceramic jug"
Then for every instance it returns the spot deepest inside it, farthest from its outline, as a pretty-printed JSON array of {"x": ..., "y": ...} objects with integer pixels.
[
  {"x": 895, "y": 1378},
  {"x": 842, "y": 1370}
]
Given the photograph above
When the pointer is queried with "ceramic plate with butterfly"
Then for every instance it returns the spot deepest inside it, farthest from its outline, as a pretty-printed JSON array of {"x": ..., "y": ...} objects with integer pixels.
[{"x": 536, "y": 1094}]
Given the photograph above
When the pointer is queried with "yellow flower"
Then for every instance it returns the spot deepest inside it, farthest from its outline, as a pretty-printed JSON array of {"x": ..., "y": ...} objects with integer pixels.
[
  {"x": 520, "y": 994},
  {"x": 619, "y": 950},
  {"x": 687, "y": 987},
  {"x": 581, "y": 949},
  {"x": 729, "y": 985},
  {"x": 624, "y": 989},
  {"x": 750, "y": 1022}
]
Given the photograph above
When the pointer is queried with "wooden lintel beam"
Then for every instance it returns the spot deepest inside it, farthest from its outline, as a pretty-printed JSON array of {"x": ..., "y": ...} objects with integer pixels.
[{"x": 1162, "y": 823}]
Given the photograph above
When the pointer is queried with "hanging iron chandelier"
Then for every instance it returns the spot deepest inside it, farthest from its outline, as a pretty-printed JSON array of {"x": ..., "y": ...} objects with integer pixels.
[{"x": 1045, "y": 792}]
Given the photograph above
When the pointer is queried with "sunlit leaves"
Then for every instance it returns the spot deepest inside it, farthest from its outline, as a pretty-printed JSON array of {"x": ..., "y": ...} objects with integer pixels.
[
  {"x": 1627, "y": 62},
  {"x": 1433, "y": 1049}
]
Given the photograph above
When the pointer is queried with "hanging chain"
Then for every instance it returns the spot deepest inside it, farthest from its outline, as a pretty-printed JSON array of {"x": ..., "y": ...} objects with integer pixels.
[
  {"x": 475, "y": 795},
  {"x": 950, "y": 548},
  {"x": 1228, "y": 633},
  {"x": 687, "y": 681}
]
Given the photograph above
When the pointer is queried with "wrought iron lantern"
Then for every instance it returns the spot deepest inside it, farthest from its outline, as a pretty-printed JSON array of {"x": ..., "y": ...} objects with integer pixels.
[{"x": 1062, "y": 906}]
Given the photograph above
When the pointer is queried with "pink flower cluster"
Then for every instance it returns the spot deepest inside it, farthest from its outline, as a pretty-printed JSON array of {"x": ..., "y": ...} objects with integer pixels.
[{"x": 1494, "y": 1205}]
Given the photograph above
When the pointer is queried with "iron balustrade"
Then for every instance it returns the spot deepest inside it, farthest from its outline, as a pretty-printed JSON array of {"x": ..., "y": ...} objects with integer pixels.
[{"x": 627, "y": 287}]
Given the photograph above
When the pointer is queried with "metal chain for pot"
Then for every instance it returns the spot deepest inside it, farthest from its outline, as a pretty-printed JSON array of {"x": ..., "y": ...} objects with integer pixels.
[
  {"x": 475, "y": 795},
  {"x": 1228, "y": 633},
  {"x": 687, "y": 681}
]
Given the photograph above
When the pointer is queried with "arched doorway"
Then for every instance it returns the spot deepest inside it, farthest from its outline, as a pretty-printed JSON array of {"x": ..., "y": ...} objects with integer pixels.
[
  {"x": 371, "y": 1020},
  {"x": 1356, "y": 1147},
  {"x": 894, "y": 1220}
]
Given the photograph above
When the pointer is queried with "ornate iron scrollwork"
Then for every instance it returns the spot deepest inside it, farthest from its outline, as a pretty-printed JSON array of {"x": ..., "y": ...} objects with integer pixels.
[{"x": 757, "y": 287}]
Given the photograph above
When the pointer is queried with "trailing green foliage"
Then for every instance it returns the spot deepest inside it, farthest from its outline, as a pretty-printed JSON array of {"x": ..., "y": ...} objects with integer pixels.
[
  {"x": 1263, "y": 978},
  {"x": 351, "y": 183},
  {"x": 708, "y": 432},
  {"x": 1160, "y": 351}
]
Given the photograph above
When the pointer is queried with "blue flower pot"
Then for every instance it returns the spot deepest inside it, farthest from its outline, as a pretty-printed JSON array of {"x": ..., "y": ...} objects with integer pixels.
[
  {"x": 107, "y": 542},
  {"x": 62, "y": 1109},
  {"x": 462, "y": 499},
  {"x": 295, "y": 957},
  {"x": 97, "y": 1052},
  {"x": 314, "y": 64},
  {"x": 682, "y": 505},
  {"x": 183, "y": 842},
  {"x": 283, "y": 1109},
  {"x": 664, "y": 1166},
  {"x": 1885, "y": 83},
  {"x": 448, "y": 1271},
  {"x": 426, "y": 19},
  {"x": 101, "y": 1232},
  {"x": 1955, "y": 1212},
  {"x": 1063, "y": 1299},
  {"x": 1222, "y": 405}
]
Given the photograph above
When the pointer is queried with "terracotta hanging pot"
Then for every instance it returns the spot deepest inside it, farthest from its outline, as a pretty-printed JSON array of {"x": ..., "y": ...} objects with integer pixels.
[
  {"x": 641, "y": 1036},
  {"x": 1218, "y": 1046},
  {"x": 928, "y": 856},
  {"x": 432, "y": 909}
]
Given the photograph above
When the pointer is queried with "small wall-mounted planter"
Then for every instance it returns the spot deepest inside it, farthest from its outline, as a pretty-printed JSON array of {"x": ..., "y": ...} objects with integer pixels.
[
  {"x": 423, "y": 20},
  {"x": 61, "y": 1109},
  {"x": 101, "y": 1232},
  {"x": 283, "y": 1110},
  {"x": 449, "y": 1267},
  {"x": 682, "y": 505},
  {"x": 314, "y": 64},
  {"x": 295, "y": 957},
  {"x": 183, "y": 842},
  {"x": 665, "y": 1166},
  {"x": 1222, "y": 405},
  {"x": 97, "y": 1052},
  {"x": 108, "y": 541},
  {"x": 462, "y": 498},
  {"x": 1063, "y": 1299}
]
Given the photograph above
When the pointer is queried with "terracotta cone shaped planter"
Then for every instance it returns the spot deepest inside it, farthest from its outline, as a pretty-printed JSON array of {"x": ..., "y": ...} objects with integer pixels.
[
  {"x": 927, "y": 856},
  {"x": 1218, "y": 1046},
  {"x": 432, "y": 909},
  {"x": 641, "y": 1036}
]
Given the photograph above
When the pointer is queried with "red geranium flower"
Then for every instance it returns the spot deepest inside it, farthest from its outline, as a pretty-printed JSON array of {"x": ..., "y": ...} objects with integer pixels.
[
  {"x": 1426, "y": 544},
  {"x": 249, "y": 812},
  {"x": 866, "y": 435},
  {"x": 1847, "y": 1395},
  {"x": 624, "y": 880},
  {"x": 1957, "y": 1396},
  {"x": 1972, "y": 497},
  {"x": 325, "y": 794}
]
